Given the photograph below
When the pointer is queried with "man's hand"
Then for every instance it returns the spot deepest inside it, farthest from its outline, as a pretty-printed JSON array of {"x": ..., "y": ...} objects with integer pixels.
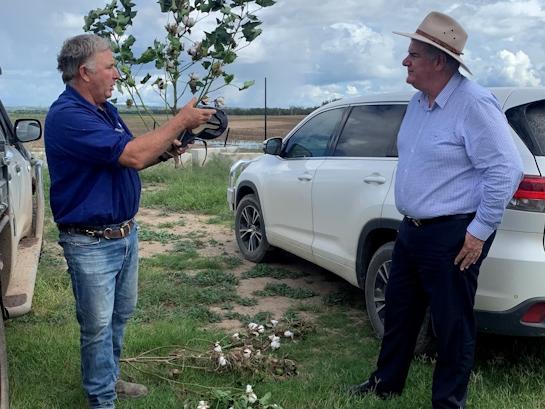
[
  {"x": 193, "y": 117},
  {"x": 176, "y": 148},
  {"x": 470, "y": 253}
]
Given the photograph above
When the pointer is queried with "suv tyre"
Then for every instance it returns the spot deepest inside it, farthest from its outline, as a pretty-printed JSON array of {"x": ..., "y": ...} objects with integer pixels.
[
  {"x": 376, "y": 281},
  {"x": 250, "y": 229}
]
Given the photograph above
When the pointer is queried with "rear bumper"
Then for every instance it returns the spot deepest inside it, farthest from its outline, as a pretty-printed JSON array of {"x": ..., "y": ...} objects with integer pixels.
[{"x": 510, "y": 322}]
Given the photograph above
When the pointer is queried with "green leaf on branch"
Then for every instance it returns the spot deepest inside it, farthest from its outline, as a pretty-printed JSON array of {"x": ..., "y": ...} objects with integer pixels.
[
  {"x": 228, "y": 78},
  {"x": 119, "y": 30},
  {"x": 147, "y": 56},
  {"x": 165, "y": 5},
  {"x": 125, "y": 69},
  {"x": 250, "y": 30},
  {"x": 129, "y": 42},
  {"x": 265, "y": 3},
  {"x": 219, "y": 36},
  {"x": 128, "y": 4},
  {"x": 229, "y": 57},
  {"x": 206, "y": 64},
  {"x": 246, "y": 85},
  {"x": 145, "y": 79}
]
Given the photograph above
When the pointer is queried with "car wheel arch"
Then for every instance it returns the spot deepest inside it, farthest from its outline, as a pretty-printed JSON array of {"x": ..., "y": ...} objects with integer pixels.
[
  {"x": 245, "y": 188},
  {"x": 374, "y": 234}
]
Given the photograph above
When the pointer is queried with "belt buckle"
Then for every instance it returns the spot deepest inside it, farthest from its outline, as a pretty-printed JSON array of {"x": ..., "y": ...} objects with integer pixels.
[
  {"x": 90, "y": 233},
  {"x": 122, "y": 228},
  {"x": 415, "y": 222}
]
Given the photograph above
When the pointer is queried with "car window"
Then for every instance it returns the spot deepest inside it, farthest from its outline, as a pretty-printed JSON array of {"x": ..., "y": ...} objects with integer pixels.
[
  {"x": 312, "y": 138},
  {"x": 2, "y": 134},
  {"x": 371, "y": 131},
  {"x": 528, "y": 121}
]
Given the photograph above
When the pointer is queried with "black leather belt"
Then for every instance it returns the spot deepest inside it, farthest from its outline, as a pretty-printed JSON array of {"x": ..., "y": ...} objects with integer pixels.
[
  {"x": 108, "y": 232},
  {"x": 438, "y": 219}
]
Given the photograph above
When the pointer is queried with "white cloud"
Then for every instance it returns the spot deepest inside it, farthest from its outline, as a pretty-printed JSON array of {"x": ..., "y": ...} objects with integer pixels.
[
  {"x": 351, "y": 90},
  {"x": 67, "y": 20},
  {"x": 321, "y": 93},
  {"x": 310, "y": 51},
  {"x": 518, "y": 69},
  {"x": 506, "y": 18}
]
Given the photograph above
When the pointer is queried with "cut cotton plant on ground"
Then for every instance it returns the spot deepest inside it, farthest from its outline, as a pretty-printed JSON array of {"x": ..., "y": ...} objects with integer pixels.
[{"x": 247, "y": 352}]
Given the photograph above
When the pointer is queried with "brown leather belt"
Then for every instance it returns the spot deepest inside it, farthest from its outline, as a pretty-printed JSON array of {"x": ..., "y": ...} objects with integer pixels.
[
  {"x": 108, "y": 232},
  {"x": 423, "y": 222}
]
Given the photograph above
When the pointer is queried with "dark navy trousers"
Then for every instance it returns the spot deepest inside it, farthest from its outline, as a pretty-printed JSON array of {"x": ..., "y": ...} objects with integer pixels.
[{"x": 423, "y": 273}]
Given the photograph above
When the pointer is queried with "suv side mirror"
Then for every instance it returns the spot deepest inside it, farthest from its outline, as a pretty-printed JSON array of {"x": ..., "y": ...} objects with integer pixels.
[
  {"x": 272, "y": 146},
  {"x": 27, "y": 130}
]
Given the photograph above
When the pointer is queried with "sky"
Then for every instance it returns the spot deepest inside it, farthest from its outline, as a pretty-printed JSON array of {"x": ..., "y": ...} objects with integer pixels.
[{"x": 310, "y": 51}]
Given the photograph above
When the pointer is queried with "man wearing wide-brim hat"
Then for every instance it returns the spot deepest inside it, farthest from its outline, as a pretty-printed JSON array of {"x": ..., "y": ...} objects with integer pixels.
[{"x": 458, "y": 168}]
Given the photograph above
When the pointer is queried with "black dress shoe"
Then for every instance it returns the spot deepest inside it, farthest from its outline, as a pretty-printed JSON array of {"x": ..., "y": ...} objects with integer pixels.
[
  {"x": 362, "y": 389},
  {"x": 367, "y": 388}
]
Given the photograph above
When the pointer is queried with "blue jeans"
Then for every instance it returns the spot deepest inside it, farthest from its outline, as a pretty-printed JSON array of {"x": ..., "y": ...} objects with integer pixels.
[{"x": 104, "y": 277}]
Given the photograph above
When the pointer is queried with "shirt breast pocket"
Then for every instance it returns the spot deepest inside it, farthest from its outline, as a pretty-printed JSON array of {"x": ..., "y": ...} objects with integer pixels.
[{"x": 444, "y": 145}]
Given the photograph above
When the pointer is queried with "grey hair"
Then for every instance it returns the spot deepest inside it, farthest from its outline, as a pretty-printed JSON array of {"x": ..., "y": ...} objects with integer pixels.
[
  {"x": 433, "y": 52},
  {"x": 77, "y": 51}
]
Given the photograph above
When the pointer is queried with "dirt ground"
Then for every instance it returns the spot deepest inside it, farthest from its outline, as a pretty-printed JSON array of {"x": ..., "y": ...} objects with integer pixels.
[{"x": 317, "y": 279}]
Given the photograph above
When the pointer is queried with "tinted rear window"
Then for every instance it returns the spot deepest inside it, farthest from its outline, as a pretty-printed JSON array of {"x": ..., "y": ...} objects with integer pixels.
[
  {"x": 528, "y": 121},
  {"x": 371, "y": 131}
]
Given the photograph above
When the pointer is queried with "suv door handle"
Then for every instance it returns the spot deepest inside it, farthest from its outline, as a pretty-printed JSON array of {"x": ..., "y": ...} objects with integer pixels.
[
  {"x": 304, "y": 178},
  {"x": 375, "y": 178}
]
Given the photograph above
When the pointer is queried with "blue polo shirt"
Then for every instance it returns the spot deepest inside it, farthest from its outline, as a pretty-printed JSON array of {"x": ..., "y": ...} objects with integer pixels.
[{"x": 83, "y": 144}]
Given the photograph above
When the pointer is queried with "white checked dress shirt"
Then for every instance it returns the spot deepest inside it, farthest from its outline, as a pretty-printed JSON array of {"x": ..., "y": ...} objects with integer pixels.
[{"x": 457, "y": 157}]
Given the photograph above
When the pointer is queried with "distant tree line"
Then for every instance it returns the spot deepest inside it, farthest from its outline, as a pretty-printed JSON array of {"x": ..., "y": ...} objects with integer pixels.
[{"x": 155, "y": 110}]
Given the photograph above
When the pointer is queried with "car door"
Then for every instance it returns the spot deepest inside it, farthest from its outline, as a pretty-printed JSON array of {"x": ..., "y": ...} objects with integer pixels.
[
  {"x": 19, "y": 174},
  {"x": 3, "y": 176},
  {"x": 286, "y": 197},
  {"x": 350, "y": 186}
]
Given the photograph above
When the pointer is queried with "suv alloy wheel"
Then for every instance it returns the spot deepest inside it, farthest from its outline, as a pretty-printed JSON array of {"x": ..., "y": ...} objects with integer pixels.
[
  {"x": 376, "y": 281},
  {"x": 250, "y": 229}
]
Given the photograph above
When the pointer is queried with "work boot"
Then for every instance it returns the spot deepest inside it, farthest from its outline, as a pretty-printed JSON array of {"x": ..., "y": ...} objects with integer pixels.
[{"x": 129, "y": 390}]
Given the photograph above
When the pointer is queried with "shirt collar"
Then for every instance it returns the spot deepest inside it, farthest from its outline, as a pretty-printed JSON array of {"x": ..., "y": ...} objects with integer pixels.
[
  {"x": 445, "y": 93},
  {"x": 70, "y": 90}
]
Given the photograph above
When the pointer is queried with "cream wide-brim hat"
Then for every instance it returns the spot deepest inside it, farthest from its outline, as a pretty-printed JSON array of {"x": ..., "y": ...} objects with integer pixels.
[{"x": 442, "y": 32}]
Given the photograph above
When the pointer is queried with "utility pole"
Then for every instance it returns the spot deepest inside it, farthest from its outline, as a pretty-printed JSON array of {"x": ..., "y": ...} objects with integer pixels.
[{"x": 265, "y": 108}]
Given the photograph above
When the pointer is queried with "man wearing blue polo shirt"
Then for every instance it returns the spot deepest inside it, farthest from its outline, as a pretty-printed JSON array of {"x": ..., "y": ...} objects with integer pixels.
[{"x": 93, "y": 162}]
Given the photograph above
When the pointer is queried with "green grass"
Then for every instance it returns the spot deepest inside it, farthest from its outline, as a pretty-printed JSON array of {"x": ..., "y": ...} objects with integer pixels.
[
  {"x": 178, "y": 291},
  {"x": 161, "y": 236},
  {"x": 284, "y": 290},
  {"x": 190, "y": 189},
  {"x": 266, "y": 270}
]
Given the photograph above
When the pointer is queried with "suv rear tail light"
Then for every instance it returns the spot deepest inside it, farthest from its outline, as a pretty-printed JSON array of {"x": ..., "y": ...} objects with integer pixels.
[
  {"x": 530, "y": 196},
  {"x": 534, "y": 315}
]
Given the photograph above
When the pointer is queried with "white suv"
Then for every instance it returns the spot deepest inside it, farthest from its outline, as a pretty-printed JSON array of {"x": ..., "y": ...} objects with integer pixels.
[
  {"x": 21, "y": 225},
  {"x": 325, "y": 193}
]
